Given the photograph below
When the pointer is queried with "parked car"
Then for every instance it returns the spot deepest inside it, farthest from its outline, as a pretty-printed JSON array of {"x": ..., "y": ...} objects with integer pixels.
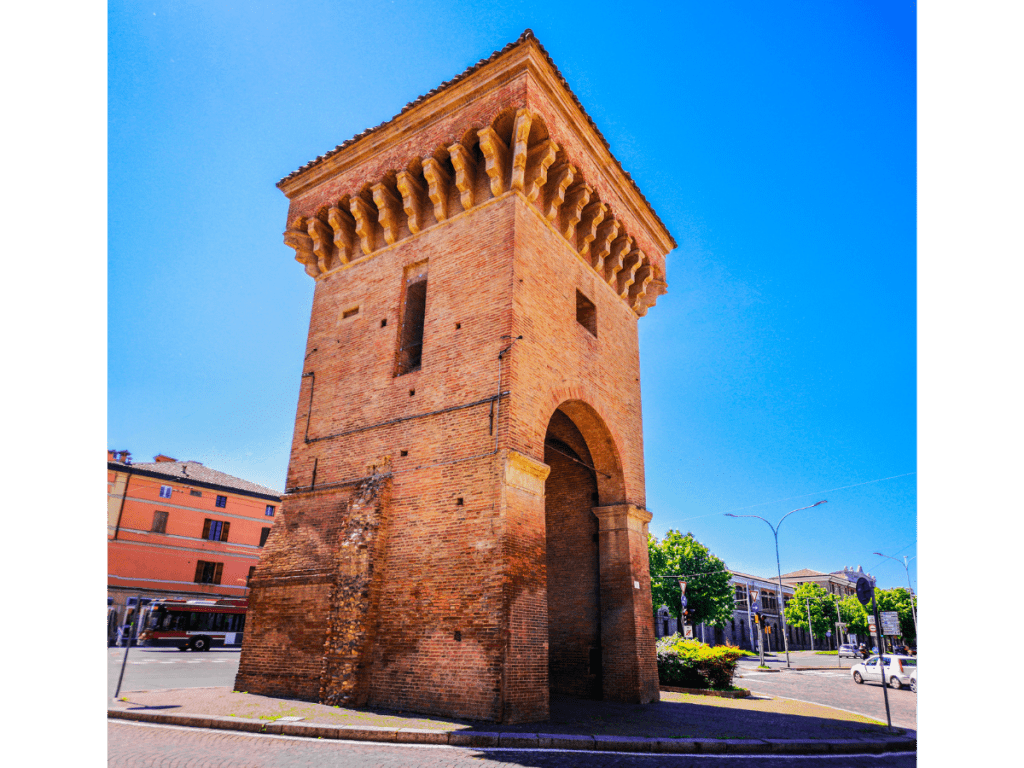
[
  {"x": 848, "y": 649},
  {"x": 897, "y": 670}
]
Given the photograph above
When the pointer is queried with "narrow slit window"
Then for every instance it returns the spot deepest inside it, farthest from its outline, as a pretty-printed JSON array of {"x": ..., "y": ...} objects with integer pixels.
[
  {"x": 410, "y": 351},
  {"x": 586, "y": 313}
]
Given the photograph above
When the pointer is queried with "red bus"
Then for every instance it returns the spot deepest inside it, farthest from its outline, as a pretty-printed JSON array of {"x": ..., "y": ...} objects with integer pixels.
[{"x": 193, "y": 624}]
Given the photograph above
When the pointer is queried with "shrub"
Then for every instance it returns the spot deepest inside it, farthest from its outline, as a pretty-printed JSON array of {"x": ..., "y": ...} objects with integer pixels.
[{"x": 693, "y": 664}]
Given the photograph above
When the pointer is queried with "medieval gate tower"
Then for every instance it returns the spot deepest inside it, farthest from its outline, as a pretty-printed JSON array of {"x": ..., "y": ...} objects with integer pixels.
[{"x": 464, "y": 529}]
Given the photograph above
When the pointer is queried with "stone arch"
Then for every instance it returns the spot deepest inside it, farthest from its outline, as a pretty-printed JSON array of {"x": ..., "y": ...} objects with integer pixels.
[
  {"x": 601, "y": 439},
  {"x": 585, "y": 474}
]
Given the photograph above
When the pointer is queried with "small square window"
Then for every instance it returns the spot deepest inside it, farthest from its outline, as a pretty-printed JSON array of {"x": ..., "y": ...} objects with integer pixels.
[
  {"x": 165, "y": 491},
  {"x": 222, "y": 501},
  {"x": 194, "y": 492},
  {"x": 270, "y": 510},
  {"x": 586, "y": 313}
]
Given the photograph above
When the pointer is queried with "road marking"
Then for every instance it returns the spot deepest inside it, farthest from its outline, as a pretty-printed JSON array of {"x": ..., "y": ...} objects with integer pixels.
[{"x": 394, "y": 744}]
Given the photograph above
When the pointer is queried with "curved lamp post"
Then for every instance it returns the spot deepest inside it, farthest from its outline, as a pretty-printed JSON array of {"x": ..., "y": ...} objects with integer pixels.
[
  {"x": 906, "y": 566},
  {"x": 781, "y": 601}
]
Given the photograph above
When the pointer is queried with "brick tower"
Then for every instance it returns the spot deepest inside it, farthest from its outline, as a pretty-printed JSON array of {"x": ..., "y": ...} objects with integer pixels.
[{"x": 464, "y": 530}]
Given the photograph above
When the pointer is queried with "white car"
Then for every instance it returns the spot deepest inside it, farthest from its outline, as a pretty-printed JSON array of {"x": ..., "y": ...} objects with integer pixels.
[
  {"x": 897, "y": 671},
  {"x": 913, "y": 679},
  {"x": 850, "y": 650}
]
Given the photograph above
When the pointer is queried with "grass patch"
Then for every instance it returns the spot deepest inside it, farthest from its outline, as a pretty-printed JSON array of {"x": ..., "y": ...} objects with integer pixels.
[{"x": 825, "y": 653}]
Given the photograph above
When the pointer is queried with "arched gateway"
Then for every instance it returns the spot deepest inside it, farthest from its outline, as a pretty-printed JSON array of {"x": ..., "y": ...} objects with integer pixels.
[{"x": 464, "y": 525}]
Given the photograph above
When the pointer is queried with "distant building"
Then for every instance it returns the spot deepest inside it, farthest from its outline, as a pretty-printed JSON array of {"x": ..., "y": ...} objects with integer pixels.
[
  {"x": 840, "y": 583},
  {"x": 179, "y": 529}
]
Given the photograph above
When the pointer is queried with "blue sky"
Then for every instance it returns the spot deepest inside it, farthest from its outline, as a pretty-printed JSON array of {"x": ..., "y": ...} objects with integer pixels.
[{"x": 776, "y": 141}]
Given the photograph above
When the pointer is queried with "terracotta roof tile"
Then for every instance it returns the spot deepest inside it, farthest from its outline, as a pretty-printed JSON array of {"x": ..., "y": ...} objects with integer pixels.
[{"x": 183, "y": 471}]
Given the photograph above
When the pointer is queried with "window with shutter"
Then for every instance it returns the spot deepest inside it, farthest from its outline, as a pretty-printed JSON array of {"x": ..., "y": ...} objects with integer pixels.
[
  {"x": 206, "y": 528},
  {"x": 199, "y": 571},
  {"x": 217, "y": 573},
  {"x": 224, "y": 531}
]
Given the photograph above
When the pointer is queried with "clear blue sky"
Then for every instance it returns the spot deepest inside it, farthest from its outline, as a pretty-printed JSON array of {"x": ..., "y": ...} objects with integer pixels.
[{"x": 777, "y": 141}]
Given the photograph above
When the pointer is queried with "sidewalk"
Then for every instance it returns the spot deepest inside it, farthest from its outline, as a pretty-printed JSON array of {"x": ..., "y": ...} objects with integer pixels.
[{"x": 678, "y": 723}]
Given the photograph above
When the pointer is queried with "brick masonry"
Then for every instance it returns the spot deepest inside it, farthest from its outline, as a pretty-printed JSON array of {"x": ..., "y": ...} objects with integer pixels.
[{"x": 467, "y": 537}]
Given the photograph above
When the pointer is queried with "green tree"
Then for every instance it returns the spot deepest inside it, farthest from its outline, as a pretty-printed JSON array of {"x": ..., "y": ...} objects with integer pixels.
[
  {"x": 822, "y": 606},
  {"x": 898, "y": 599},
  {"x": 708, "y": 591},
  {"x": 855, "y": 616}
]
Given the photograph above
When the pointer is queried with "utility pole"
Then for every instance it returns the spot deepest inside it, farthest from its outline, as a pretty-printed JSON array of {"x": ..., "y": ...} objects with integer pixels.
[
  {"x": 810, "y": 626},
  {"x": 778, "y": 566}
]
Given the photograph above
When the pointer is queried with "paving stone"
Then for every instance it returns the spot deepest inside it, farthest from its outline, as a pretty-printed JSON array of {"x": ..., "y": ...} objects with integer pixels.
[
  {"x": 422, "y": 736},
  {"x": 528, "y": 740},
  {"x": 473, "y": 739}
]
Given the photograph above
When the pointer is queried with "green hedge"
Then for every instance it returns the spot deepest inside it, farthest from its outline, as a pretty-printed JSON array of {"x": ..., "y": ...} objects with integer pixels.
[{"x": 693, "y": 664}]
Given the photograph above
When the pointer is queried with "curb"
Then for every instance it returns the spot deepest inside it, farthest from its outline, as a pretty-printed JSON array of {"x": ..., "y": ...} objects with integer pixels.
[
  {"x": 742, "y": 693},
  {"x": 481, "y": 739}
]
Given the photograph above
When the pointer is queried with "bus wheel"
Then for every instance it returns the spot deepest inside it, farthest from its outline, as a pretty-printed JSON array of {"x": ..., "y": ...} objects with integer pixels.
[{"x": 199, "y": 644}]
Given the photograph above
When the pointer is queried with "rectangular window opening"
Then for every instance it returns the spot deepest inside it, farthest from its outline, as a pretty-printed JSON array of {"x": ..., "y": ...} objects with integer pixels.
[
  {"x": 410, "y": 349},
  {"x": 263, "y": 536},
  {"x": 159, "y": 522},
  {"x": 208, "y": 573},
  {"x": 222, "y": 501},
  {"x": 194, "y": 492},
  {"x": 586, "y": 313},
  {"x": 349, "y": 313},
  {"x": 215, "y": 530},
  {"x": 270, "y": 510},
  {"x": 165, "y": 491}
]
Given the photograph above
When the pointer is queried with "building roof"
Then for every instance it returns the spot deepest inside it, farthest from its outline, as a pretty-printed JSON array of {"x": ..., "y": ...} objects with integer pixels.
[
  {"x": 194, "y": 472},
  {"x": 802, "y": 572},
  {"x": 773, "y": 581},
  {"x": 524, "y": 38}
]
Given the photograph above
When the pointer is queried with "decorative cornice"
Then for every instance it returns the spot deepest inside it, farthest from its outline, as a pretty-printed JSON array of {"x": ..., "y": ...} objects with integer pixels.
[
  {"x": 524, "y": 55},
  {"x": 396, "y": 207}
]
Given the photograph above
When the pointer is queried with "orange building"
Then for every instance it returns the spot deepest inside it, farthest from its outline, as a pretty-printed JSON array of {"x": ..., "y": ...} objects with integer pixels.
[{"x": 179, "y": 529}]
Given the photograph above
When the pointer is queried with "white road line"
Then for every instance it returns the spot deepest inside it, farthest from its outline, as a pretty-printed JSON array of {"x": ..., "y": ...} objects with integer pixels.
[{"x": 396, "y": 744}]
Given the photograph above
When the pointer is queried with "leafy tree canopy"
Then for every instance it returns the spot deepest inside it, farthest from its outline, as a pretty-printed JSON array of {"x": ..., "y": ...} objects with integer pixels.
[
  {"x": 854, "y": 615},
  {"x": 708, "y": 590},
  {"x": 822, "y": 608},
  {"x": 898, "y": 599}
]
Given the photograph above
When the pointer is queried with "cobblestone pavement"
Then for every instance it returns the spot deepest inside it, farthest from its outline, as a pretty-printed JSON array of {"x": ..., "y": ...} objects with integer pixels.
[
  {"x": 136, "y": 745},
  {"x": 833, "y": 688}
]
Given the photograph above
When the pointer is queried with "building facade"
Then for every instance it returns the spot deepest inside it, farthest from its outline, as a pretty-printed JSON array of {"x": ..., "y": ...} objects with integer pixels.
[
  {"x": 742, "y": 629},
  {"x": 179, "y": 529},
  {"x": 465, "y": 525}
]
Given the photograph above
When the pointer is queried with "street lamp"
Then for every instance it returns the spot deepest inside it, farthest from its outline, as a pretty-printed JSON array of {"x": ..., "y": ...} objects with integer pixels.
[
  {"x": 782, "y": 602},
  {"x": 906, "y": 567}
]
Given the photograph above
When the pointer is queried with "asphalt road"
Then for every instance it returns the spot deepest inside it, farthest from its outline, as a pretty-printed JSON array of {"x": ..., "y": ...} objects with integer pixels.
[
  {"x": 150, "y": 669},
  {"x": 143, "y": 744},
  {"x": 833, "y": 688}
]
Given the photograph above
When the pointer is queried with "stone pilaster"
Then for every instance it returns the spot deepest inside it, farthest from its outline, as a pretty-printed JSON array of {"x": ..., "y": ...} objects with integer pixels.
[{"x": 627, "y": 625}]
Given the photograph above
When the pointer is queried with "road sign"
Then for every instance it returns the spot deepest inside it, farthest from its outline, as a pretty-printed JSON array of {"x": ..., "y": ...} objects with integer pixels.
[
  {"x": 871, "y": 622},
  {"x": 890, "y": 622},
  {"x": 828, "y": 633},
  {"x": 688, "y": 631},
  {"x": 864, "y": 590}
]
